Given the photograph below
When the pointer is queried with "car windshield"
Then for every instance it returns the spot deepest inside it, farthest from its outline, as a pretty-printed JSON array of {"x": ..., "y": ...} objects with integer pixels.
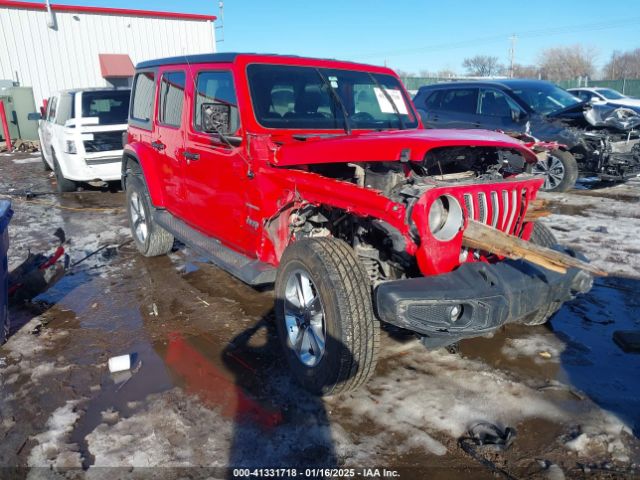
[
  {"x": 110, "y": 107},
  {"x": 319, "y": 99},
  {"x": 610, "y": 94},
  {"x": 545, "y": 98}
]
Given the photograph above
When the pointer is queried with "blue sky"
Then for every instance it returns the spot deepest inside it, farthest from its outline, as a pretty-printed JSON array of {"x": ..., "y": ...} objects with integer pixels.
[{"x": 412, "y": 35}]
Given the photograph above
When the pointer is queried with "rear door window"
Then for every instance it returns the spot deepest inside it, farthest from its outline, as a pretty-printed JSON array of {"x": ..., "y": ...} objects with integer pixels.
[
  {"x": 143, "y": 96},
  {"x": 462, "y": 100},
  {"x": 171, "y": 100}
]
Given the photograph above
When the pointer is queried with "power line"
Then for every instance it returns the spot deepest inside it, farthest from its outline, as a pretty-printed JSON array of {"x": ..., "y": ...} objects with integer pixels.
[{"x": 544, "y": 32}]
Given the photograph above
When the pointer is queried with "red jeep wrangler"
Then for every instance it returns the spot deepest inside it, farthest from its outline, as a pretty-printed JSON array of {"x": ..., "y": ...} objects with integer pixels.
[{"x": 316, "y": 175}]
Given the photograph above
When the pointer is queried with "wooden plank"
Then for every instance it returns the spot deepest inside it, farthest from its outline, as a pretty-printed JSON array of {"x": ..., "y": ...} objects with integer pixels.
[{"x": 482, "y": 237}]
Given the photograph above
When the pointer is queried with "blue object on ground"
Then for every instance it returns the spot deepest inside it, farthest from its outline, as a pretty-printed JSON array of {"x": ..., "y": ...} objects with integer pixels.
[{"x": 5, "y": 217}]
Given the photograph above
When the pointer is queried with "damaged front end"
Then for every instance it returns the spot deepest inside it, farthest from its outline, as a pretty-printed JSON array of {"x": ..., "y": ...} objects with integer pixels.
[{"x": 605, "y": 141}]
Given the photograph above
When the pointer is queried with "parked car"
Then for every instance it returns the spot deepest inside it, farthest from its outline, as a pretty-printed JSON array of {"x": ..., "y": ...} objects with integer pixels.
[
  {"x": 81, "y": 135},
  {"x": 605, "y": 96},
  {"x": 315, "y": 176},
  {"x": 544, "y": 111}
]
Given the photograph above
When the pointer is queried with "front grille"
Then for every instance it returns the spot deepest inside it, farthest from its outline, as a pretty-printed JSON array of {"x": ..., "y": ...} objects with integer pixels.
[
  {"x": 503, "y": 208},
  {"x": 104, "y": 142}
]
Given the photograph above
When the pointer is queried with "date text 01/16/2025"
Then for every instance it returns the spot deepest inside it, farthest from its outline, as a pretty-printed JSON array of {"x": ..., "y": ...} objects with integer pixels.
[{"x": 315, "y": 472}]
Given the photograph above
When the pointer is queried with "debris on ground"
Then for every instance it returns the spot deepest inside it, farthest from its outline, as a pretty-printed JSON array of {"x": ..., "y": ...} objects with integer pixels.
[{"x": 38, "y": 272}]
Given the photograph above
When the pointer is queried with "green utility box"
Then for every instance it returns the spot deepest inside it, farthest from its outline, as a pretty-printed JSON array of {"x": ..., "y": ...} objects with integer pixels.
[{"x": 18, "y": 104}]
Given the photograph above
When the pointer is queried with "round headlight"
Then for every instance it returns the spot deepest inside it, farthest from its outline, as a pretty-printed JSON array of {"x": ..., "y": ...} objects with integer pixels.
[{"x": 445, "y": 218}]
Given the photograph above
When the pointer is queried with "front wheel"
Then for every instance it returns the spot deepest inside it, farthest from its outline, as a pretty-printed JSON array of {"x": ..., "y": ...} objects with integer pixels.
[
  {"x": 544, "y": 237},
  {"x": 150, "y": 238},
  {"x": 324, "y": 316},
  {"x": 560, "y": 171}
]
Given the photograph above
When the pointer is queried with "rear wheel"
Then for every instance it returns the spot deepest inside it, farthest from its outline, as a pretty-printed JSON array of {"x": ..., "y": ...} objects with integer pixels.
[
  {"x": 560, "y": 171},
  {"x": 150, "y": 238},
  {"x": 63, "y": 184},
  {"x": 324, "y": 316},
  {"x": 544, "y": 237}
]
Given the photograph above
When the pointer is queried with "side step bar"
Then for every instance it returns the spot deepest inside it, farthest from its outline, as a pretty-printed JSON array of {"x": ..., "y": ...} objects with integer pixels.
[{"x": 250, "y": 271}]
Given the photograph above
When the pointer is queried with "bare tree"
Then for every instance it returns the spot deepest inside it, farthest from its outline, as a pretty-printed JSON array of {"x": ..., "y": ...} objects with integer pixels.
[
  {"x": 623, "y": 65},
  {"x": 446, "y": 73},
  {"x": 482, "y": 65},
  {"x": 525, "y": 71},
  {"x": 565, "y": 63}
]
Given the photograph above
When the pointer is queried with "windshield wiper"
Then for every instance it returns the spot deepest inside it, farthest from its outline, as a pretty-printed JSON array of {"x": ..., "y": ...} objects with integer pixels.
[
  {"x": 336, "y": 98},
  {"x": 389, "y": 99}
]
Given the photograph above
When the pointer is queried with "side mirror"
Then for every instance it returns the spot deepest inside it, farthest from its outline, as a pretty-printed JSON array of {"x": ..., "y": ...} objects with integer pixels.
[
  {"x": 34, "y": 116},
  {"x": 216, "y": 118}
]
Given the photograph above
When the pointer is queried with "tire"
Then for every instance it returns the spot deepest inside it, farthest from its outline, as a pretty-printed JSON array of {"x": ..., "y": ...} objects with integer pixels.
[
  {"x": 560, "y": 171},
  {"x": 150, "y": 238},
  {"x": 63, "y": 185},
  {"x": 544, "y": 237},
  {"x": 339, "y": 289}
]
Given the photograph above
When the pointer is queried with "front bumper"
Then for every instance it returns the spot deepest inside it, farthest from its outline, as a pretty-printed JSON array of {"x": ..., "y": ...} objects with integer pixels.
[{"x": 489, "y": 295}]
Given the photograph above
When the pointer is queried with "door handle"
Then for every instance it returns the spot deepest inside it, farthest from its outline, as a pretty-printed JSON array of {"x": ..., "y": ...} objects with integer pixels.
[
  {"x": 158, "y": 145},
  {"x": 191, "y": 156}
]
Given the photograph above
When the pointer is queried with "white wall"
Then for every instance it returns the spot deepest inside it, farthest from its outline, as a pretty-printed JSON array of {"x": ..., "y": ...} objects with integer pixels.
[{"x": 67, "y": 57}]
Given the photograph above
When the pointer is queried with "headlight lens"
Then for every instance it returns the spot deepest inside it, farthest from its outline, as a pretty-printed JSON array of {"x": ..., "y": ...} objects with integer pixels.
[
  {"x": 71, "y": 146},
  {"x": 445, "y": 218}
]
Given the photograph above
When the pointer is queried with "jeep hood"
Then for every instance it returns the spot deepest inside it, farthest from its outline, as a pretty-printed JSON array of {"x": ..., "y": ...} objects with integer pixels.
[{"x": 390, "y": 146}]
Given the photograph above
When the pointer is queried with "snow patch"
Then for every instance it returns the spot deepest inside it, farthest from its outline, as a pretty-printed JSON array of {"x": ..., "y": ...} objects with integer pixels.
[
  {"x": 52, "y": 449},
  {"x": 542, "y": 348},
  {"x": 427, "y": 392}
]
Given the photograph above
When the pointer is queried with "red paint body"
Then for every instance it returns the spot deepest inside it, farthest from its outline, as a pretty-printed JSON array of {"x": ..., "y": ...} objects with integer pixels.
[{"x": 235, "y": 194}]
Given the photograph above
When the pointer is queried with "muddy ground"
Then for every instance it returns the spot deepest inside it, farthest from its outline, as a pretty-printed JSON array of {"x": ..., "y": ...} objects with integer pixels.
[{"x": 209, "y": 388}]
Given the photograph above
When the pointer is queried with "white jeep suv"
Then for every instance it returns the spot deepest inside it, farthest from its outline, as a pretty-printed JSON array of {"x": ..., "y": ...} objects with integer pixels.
[{"x": 81, "y": 135}]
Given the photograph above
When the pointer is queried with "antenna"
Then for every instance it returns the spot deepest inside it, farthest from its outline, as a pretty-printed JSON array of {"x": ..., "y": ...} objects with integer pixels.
[
  {"x": 220, "y": 25},
  {"x": 51, "y": 20}
]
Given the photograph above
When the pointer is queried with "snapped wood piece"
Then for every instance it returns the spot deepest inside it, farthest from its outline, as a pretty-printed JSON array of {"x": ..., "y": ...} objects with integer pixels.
[{"x": 482, "y": 237}]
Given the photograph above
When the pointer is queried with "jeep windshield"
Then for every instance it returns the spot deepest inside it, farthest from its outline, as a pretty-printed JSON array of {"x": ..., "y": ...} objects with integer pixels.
[
  {"x": 545, "y": 98},
  {"x": 294, "y": 97}
]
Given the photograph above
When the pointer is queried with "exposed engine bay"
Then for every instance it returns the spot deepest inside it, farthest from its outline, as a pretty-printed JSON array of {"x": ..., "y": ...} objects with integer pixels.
[{"x": 380, "y": 247}]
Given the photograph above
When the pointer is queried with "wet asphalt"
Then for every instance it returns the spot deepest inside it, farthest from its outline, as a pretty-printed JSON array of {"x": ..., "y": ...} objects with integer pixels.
[{"x": 205, "y": 355}]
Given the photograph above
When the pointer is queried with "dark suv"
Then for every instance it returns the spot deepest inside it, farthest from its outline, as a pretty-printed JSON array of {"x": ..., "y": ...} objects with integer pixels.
[{"x": 542, "y": 110}]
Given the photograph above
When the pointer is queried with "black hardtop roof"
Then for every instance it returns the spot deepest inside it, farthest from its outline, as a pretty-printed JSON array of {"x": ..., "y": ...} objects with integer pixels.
[
  {"x": 200, "y": 58},
  {"x": 225, "y": 57},
  {"x": 500, "y": 83}
]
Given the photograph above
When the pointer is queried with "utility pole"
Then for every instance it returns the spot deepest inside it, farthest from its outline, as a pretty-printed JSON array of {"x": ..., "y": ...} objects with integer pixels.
[
  {"x": 512, "y": 54},
  {"x": 220, "y": 26}
]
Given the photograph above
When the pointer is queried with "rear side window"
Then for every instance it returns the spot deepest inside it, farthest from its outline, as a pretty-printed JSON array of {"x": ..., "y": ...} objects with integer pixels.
[
  {"x": 65, "y": 110},
  {"x": 171, "y": 98},
  {"x": 142, "y": 104},
  {"x": 215, "y": 87},
  {"x": 464, "y": 100}
]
